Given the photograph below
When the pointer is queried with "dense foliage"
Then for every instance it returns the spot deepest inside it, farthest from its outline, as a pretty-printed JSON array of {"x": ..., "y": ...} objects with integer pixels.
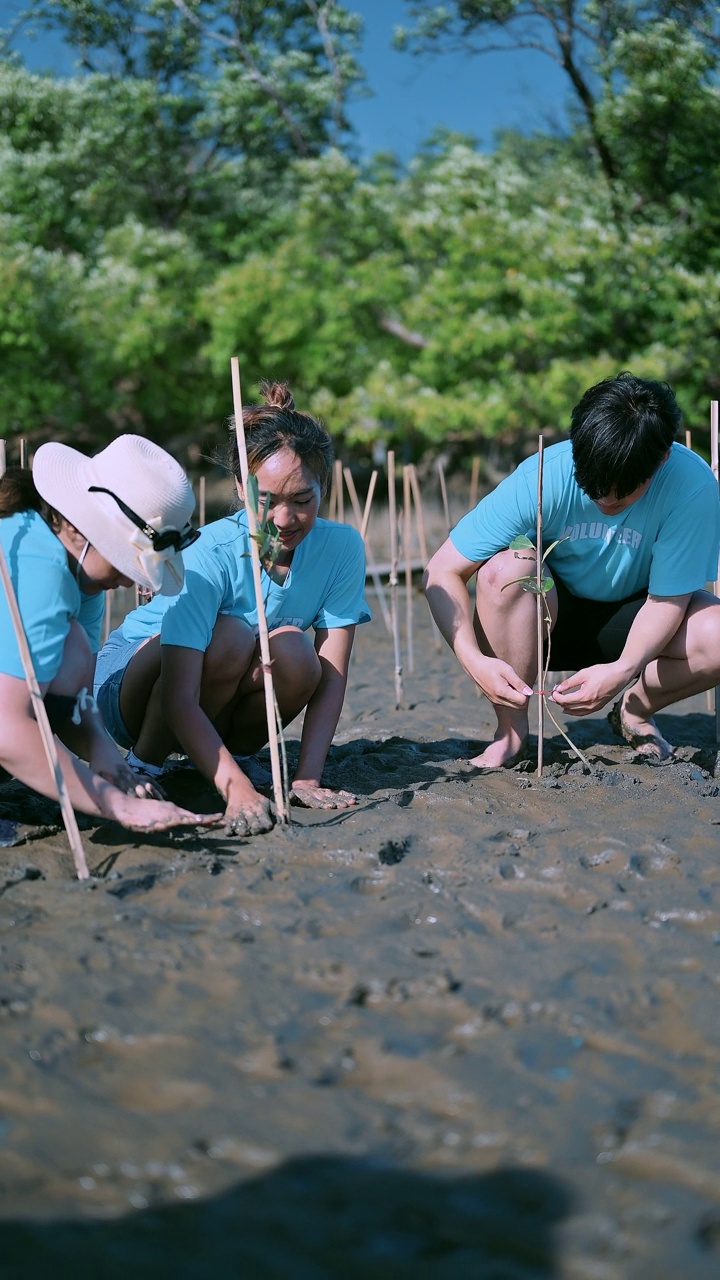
[{"x": 191, "y": 194}]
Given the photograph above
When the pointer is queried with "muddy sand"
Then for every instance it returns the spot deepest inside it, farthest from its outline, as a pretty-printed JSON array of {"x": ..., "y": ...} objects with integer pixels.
[{"x": 469, "y": 1028}]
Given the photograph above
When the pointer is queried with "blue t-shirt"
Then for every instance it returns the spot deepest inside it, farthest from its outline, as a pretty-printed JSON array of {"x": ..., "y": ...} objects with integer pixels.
[
  {"x": 324, "y": 587},
  {"x": 666, "y": 543},
  {"x": 48, "y": 597}
]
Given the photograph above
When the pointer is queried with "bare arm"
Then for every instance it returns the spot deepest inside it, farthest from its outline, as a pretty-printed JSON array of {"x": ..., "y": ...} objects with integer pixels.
[
  {"x": 247, "y": 812},
  {"x": 22, "y": 753},
  {"x": 652, "y": 630},
  {"x": 445, "y": 582},
  {"x": 333, "y": 647}
]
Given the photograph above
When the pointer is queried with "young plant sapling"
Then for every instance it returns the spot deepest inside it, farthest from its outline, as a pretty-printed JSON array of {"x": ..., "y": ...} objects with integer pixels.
[{"x": 538, "y": 584}]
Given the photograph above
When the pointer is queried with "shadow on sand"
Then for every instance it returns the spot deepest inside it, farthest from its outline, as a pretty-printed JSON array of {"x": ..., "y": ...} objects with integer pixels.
[{"x": 314, "y": 1217}]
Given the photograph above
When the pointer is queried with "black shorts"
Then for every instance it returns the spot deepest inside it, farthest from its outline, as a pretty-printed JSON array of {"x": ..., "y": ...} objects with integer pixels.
[{"x": 590, "y": 631}]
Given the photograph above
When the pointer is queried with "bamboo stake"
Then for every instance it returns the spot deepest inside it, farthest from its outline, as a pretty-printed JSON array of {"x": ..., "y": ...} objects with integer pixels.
[
  {"x": 332, "y": 501},
  {"x": 474, "y": 481},
  {"x": 419, "y": 513},
  {"x": 407, "y": 548},
  {"x": 420, "y": 527},
  {"x": 368, "y": 505},
  {"x": 339, "y": 492},
  {"x": 394, "y": 579},
  {"x": 264, "y": 638},
  {"x": 3, "y": 458},
  {"x": 714, "y": 463},
  {"x": 46, "y": 733},
  {"x": 201, "y": 501},
  {"x": 540, "y": 611},
  {"x": 443, "y": 491},
  {"x": 688, "y": 438},
  {"x": 107, "y": 611},
  {"x": 362, "y": 526},
  {"x": 23, "y": 452}
]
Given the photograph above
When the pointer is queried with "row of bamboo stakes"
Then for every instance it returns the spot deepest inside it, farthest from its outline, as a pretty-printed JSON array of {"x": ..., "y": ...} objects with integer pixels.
[{"x": 412, "y": 500}]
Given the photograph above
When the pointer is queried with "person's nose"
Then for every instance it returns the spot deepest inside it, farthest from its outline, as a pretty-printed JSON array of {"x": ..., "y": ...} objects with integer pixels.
[{"x": 283, "y": 515}]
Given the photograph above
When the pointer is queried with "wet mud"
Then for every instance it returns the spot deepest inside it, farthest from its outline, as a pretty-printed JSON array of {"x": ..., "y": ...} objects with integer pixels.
[{"x": 469, "y": 1028}]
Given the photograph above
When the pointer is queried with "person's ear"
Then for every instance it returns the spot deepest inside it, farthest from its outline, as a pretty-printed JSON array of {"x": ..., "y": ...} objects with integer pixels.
[{"x": 73, "y": 538}]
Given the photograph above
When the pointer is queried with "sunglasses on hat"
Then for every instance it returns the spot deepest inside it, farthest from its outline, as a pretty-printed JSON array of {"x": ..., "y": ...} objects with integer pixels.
[{"x": 178, "y": 539}]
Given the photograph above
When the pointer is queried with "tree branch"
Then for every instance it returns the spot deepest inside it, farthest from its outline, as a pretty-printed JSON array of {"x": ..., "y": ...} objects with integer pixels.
[
  {"x": 256, "y": 74},
  {"x": 398, "y": 330}
]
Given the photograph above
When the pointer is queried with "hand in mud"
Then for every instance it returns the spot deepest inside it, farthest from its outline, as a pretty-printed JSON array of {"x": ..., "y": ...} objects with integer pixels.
[
  {"x": 250, "y": 818},
  {"x": 160, "y": 815},
  {"x": 312, "y": 796},
  {"x": 133, "y": 784}
]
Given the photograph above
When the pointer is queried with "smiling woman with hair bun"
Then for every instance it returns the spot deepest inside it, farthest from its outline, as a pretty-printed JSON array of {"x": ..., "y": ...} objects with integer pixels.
[{"x": 185, "y": 674}]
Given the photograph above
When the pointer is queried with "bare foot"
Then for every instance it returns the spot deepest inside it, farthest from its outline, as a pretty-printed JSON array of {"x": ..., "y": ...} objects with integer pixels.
[
  {"x": 503, "y": 751},
  {"x": 634, "y": 725}
]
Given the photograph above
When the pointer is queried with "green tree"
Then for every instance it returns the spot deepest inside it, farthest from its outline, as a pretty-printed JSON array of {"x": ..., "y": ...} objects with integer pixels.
[{"x": 578, "y": 35}]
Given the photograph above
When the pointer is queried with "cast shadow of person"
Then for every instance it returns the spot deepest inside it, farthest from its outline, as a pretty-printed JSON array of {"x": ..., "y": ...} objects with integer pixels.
[{"x": 311, "y": 1218}]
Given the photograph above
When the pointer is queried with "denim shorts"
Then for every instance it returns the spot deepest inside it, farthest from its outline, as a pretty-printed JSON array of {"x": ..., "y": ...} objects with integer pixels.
[{"x": 112, "y": 662}]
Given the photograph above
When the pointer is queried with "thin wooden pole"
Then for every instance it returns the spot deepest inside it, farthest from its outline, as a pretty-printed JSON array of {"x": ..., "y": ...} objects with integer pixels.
[
  {"x": 23, "y": 452},
  {"x": 263, "y": 635},
  {"x": 339, "y": 492},
  {"x": 474, "y": 481},
  {"x": 368, "y": 505},
  {"x": 444, "y": 494},
  {"x": 419, "y": 512},
  {"x": 715, "y": 464},
  {"x": 3, "y": 458},
  {"x": 46, "y": 733},
  {"x": 362, "y": 525},
  {"x": 332, "y": 501},
  {"x": 688, "y": 438},
  {"x": 392, "y": 511},
  {"x": 420, "y": 526},
  {"x": 201, "y": 501},
  {"x": 407, "y": 550},
  {"x": 540, "y": 611}
]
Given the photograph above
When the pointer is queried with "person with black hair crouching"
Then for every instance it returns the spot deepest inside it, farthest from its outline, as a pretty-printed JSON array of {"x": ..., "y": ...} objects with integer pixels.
[{"x": 638, "y": 519}]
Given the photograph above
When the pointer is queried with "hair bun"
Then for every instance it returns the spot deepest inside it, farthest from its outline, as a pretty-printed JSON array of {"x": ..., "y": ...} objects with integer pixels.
[{"x": 277, "y": 395}]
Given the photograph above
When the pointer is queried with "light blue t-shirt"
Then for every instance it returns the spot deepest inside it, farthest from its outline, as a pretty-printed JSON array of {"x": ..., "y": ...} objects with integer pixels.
[
  {"x": 666, "y": 543},
  {"x": 48, "y": 597},
  {"x": 324, "y": 587}
]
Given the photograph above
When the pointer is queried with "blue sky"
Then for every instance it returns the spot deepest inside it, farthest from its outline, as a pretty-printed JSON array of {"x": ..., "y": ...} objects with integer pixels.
[
  {"x": 476, "y": 95},
  {"x": 411, "y": 96}
]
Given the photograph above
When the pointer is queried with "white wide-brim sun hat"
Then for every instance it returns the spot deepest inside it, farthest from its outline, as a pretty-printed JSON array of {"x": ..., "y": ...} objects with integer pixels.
[{"x": 143, "y": 476}]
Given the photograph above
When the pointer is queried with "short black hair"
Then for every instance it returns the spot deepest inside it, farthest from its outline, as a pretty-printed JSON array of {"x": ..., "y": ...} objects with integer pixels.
[{"x": 621, "y": 430}]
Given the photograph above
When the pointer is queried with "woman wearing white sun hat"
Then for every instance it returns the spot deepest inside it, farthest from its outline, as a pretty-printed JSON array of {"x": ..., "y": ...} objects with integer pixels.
[{"x": 72, "y": 529}]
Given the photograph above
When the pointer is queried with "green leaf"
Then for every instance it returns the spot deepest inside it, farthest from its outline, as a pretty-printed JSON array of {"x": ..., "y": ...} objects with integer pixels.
[
  {"x": 252, "y": 492},
  {"x": 522, "y": 543}
]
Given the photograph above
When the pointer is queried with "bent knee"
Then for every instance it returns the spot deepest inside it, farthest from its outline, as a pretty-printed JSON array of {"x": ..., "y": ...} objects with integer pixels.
[
  {"x": 293, "y": 654},
  {"x": 231, "y": 648},
  {"x": 503, "y": 569}
]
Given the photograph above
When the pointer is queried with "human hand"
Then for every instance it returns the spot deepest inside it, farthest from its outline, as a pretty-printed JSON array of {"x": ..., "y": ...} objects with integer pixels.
[
  {"x": 590, "y": 689},
  {"x": 132, "y": 783},
  {"x": 310, "y": 795},
  {"x": 154, "y": 815},
  {"x": 499, "y": 682},
  {"x": 249, "y": 817}
]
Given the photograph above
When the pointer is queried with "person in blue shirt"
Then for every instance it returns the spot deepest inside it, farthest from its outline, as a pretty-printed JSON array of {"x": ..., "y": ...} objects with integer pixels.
[
  {"x": 185, "y": 674},
  {"x": 71, "y": 530},
  {"x": 638, "y": 519}
]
